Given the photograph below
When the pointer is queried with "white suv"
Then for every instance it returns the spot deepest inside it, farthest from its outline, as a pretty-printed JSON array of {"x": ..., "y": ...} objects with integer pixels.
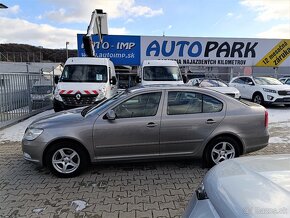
[{"x": 262, "y": 90}]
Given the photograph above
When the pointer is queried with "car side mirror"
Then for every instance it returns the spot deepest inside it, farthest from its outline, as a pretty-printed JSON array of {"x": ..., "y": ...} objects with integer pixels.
[
  {"x": 113, "y": 80},
  {"x": 184, "y": 78},
  {"x": 138, "y": 79},
  {"x": 197, "y": 84},
  {"x": 250, "y": 83},
  {"x": 110, "y": 115},
  {"x": 56, "y": 79}
]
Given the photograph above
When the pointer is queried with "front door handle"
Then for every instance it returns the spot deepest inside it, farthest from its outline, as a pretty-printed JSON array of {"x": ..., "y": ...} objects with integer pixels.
[
  {"x": 151, "y": 124},
  {"x": 210, "y": 121}
]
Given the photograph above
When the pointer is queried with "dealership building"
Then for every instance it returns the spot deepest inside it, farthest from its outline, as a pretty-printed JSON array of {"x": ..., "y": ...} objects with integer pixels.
[{"x": 221, "y": 58}]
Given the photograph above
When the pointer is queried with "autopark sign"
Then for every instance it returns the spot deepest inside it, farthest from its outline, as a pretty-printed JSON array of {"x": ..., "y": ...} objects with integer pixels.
[{"x": 192, "y": 51}]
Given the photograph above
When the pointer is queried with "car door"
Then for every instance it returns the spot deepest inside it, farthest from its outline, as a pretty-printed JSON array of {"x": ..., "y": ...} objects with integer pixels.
[
  {"x": 188, "y": 118},
  {"x": 243, "y": 85},
  {"x": 134, "y": 132},
  {"x": 239, "y": 83},
  {"x": 249, "y": 87}
]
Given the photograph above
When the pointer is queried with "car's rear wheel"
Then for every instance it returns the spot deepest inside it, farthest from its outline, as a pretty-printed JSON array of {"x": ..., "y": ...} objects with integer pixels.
[
  {"x": 66, "y": 159},
  {"x": 258, "y": 98},
  {"x": 220, "y": 149}
]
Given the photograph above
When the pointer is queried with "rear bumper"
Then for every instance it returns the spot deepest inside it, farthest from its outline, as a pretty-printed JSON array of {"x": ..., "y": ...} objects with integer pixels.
[{"x": 256, "y": 143}]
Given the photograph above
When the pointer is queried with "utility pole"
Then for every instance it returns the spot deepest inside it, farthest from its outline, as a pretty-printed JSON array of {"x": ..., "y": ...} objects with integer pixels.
[{"x": 66, "y": 44}]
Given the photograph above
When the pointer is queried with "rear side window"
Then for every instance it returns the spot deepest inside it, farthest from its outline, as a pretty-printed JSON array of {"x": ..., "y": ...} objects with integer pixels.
[
  {"x": 210, "y": 104},
  {"x": 139, "y": 106},
  {"x": 191, "y": 103}
]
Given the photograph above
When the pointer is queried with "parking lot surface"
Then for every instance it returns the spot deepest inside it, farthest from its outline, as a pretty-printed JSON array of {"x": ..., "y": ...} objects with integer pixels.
[{"x": 149, "y": 189}]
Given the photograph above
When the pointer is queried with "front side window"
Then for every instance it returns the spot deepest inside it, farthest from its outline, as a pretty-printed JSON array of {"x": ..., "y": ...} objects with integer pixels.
[
  {"x": 161, "y": 73},
  {"x": 191, "y": 103},
  {"x": 287, "y": 82},
  {"x": 239, "y": 80},
  {"x": 84, "y": 73},
  {"x": 143, "y": 105}
]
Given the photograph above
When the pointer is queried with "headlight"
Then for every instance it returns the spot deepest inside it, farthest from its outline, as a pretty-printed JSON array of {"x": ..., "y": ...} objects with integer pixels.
[
  {"x": 56, "y": 94},
  {"x": 270, "y": 90},
  {"x": 32, "y": 133},
  {"x": 102, "y": 94}
]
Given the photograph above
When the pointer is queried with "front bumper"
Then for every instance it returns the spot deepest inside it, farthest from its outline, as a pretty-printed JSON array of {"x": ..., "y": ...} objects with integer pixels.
[
  {"x": 33, "y": 151},
  {"x": 282, "y": 101}
]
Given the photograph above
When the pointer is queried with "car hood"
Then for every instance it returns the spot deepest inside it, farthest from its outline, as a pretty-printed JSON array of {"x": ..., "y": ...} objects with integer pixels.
[
  {"x": 276, "y": 87},
  {"x": 84, "y": 86},
  {"x": 60, "y": 118},
  {"x": 251, "y": 186},
  {"x": 225, "y": 90}
]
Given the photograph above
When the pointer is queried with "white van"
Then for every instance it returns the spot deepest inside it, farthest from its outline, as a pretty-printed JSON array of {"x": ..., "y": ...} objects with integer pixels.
[
  {"x": 159, "y": 72},
  {"x": 84, "y": 81}
]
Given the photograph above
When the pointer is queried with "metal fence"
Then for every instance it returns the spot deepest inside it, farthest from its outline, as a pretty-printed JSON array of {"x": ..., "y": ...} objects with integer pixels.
[{"x": 23, "y": 95}]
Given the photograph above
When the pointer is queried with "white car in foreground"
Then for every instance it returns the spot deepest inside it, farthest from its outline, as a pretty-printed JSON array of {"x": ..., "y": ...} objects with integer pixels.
[
  {"x": 218, "y": 85},
  {"x": 254, "y": 186},
  {"x": 262, "y": 90}
]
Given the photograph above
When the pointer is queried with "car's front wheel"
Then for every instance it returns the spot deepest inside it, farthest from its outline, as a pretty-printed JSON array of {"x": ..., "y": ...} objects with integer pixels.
[
  {"x": 66, "y": 159},
  {"x": 258, "y": 98},
  {"x": 220, "y": 149}
]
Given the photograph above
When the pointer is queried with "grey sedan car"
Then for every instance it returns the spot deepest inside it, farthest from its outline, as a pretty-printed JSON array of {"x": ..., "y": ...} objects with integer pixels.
[
  {"x": 147, "y": 123},
  {"x": 254, "y": 186}
]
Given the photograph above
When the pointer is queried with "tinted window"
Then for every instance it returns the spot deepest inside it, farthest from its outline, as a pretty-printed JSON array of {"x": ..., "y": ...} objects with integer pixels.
[
  {"x": 41, "y": 89},
  {"x": 139, "y": 106},
  {"x": 191, "y": 103},
  {"x": 239, "y": 80},
  {"x": 287, "y": 82},
  {"x": 184, "y": 103},
  {"x": 211, "y": 104}
]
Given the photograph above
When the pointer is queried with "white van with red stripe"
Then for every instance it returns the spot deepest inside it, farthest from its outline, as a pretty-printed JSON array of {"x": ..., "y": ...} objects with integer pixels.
[{"x": 84, "y": 81}]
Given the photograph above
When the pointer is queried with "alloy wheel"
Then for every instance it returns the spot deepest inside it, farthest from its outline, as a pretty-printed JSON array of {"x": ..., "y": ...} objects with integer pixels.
[
  {"x": 65, "y": 160},
  {"x": 222, "y": 151}
]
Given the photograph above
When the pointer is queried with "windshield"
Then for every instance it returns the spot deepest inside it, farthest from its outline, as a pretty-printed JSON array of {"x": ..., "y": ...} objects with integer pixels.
[
  {"x": 267, "y": 81},
  {"x": 212, "y": 83},
  {"x": 41, "y": 89},
  {"x": 104, "y": 104},
  {"x": 84, "y": 73},
  {"x": 161, "y": 73}
]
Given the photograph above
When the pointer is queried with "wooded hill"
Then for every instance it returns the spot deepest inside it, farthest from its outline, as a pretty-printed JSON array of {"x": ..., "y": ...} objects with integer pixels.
[{"x": 28, "y": 53}]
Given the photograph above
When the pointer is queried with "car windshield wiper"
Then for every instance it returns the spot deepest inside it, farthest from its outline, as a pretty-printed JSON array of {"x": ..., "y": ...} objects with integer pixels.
[{"x": 86, "y": 109}]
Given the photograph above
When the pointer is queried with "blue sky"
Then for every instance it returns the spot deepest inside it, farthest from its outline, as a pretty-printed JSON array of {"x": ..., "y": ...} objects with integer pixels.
[{"x": 50, "y": 23}]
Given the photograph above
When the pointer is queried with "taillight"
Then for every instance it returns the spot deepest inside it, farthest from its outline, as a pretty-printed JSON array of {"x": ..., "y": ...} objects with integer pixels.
[{"x": 266, "y": 118}]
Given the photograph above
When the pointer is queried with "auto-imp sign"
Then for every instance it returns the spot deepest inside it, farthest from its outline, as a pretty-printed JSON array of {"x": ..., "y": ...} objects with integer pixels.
[{"x": 193, "y": 51}]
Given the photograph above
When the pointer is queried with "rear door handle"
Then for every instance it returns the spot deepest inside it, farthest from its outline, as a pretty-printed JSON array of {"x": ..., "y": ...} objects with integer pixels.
[
  {"x": 210, "y": 121},
  {"x": 151, "y": 124}
]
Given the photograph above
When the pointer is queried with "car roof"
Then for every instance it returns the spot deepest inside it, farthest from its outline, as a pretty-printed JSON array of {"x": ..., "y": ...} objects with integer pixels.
[{"x": 155, "y": 87}]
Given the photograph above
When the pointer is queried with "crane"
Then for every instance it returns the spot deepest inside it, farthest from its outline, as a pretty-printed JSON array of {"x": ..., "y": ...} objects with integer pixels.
[{"x": 98, "y": 25}]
